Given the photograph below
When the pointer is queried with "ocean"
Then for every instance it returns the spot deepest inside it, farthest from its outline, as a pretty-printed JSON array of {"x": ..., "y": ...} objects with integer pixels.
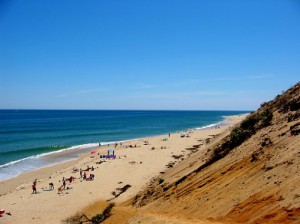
[{"x": 28, "y": 137}]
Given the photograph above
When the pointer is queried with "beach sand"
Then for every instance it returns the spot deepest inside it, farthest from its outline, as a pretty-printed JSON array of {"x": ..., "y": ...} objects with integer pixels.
[{"x": 133, "y": 166}]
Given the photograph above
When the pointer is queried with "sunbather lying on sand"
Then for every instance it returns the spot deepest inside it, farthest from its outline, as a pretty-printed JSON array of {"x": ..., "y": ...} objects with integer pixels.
[
  {"x": 51, "y": 186},
  {"x": 91, "y": 177},
  {"x": 70, "y": 179},
  {"x": 87, "y": 169}
]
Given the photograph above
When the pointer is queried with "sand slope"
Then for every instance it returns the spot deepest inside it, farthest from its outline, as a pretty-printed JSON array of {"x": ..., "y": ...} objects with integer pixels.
[{"x": 257, "y": 182}]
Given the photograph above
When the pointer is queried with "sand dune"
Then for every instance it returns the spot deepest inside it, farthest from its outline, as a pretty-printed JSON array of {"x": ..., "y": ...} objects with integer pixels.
[{"x": 255, "y": 182}]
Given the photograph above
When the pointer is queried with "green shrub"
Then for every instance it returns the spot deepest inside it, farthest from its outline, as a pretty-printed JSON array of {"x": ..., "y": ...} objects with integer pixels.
[
  {"x": 76, "y": 219},
  {"x": 161, "y": 180},
  {"x": 265, "y": 118},
  {"x": 104, "y": 215},
  {"x": 264, "y": 104},
  {"x": 294, "y": 105},
  {"x": 282, "y": 104},
  {"x": 249, "y": 122},
  {"x": 97, "y": 219},
  {"x": 238, "y": 135}
]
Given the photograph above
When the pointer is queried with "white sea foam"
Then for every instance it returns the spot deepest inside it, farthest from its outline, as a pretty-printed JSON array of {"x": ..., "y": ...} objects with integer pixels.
[
  {"x": 112, "y": 143},
  {"x": 17, "y": 167},
  {"x": 89, "y": 145},
  {"x": 14, "y": 162},
  {"x": 208, "y": 126},
  {"x": 23, "y": 166},
  {"x": 223, "y": 122}
]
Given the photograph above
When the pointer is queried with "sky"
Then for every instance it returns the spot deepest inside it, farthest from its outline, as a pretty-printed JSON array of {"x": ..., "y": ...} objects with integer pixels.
[{"x": 157, "y": 55}]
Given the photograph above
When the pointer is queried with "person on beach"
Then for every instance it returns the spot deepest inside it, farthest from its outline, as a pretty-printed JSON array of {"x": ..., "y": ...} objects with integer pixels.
[
  {"x": 34, "y": 189},
  {"x": 64, "y": 182},
  {"x": 87, "y": 168},
  {"x": 169, "y": 135},
  {"x": 51, "y": 186},
  {"x": 34, "y": 186},
  {"x": 60, "y": 189},
  {"x": 91, "y": 177},
  {"x": 71, "y": 179},
  {"x": 80, "y": 173}
]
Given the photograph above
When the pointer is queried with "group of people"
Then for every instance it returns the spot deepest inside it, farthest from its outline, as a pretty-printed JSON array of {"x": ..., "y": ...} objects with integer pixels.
[
  {"x": 83, "y": 173},
  {"x": 64, "y": 180}
]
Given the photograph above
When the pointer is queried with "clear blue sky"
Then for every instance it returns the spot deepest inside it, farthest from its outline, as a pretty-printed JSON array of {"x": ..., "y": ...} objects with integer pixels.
[{"x": 147, "y": 54}]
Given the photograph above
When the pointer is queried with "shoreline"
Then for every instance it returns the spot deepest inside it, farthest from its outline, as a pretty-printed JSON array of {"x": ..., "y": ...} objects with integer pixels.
[
  {"x": 142, "y": 163},
  {"x": 74, "y": 153}
]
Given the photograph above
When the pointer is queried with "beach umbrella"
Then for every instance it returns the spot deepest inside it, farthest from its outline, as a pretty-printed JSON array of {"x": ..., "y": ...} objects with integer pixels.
[{"x": 93, "y": 152}]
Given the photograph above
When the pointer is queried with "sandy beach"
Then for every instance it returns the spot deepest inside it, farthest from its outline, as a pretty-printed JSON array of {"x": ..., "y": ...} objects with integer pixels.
[{"x": 133, "y": 167}]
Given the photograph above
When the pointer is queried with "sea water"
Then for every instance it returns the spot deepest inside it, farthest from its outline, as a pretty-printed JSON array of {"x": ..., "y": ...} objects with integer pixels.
[{"x": 28, "y": 136}]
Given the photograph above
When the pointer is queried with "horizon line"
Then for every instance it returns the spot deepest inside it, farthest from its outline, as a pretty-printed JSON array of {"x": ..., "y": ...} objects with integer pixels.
[{"x": 138, "y": 109}]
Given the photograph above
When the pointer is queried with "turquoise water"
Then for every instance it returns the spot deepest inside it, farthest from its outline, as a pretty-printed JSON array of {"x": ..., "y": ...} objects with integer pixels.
[{"x": 26, "y": 136}]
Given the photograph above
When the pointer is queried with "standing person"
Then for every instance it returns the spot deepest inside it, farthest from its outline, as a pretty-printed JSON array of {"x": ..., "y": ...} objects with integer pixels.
[
  {"x": 34, "y": 186},
  {"x": 169, "y": 135},
  {"x": 34, "y": 189},
  {"x": 64, "y": 182},
  {"x": 80, "y": 173}
]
